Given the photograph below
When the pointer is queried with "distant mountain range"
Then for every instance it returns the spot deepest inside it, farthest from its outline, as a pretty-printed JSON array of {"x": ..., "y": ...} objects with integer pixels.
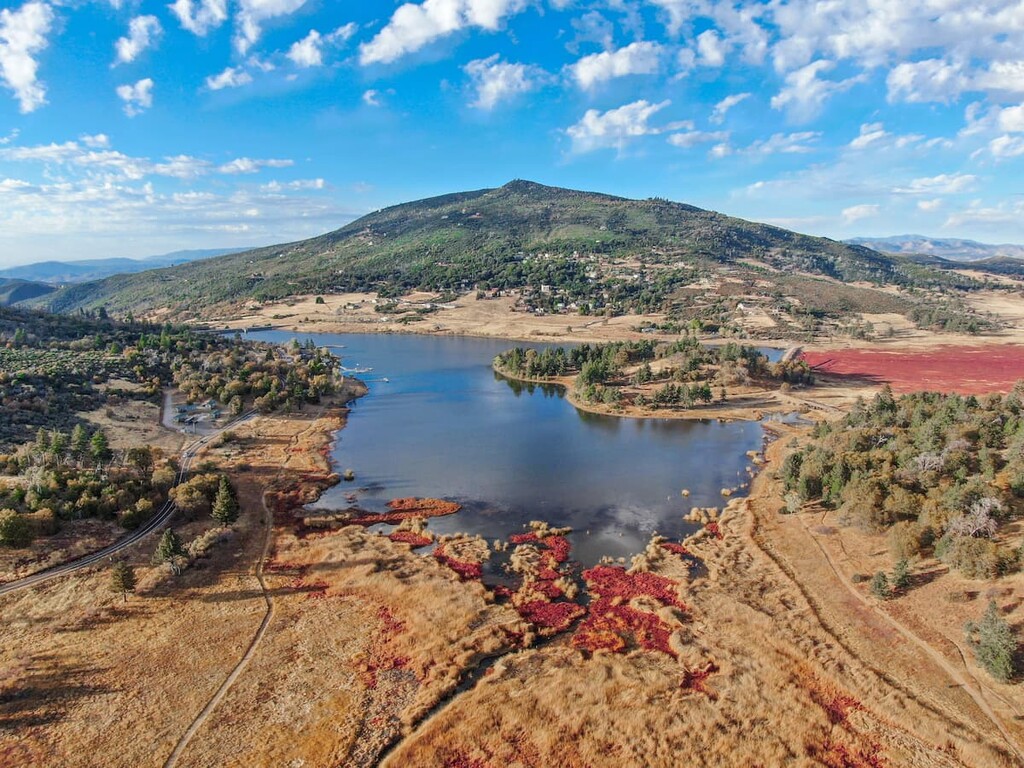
[
  {"x": 64, "y": 272},
  {"x": 943, "y": 248}
]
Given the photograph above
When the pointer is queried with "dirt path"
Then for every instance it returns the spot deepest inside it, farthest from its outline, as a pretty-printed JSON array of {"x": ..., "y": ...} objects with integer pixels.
[
  {"x": 976, "y": 693},
  {"x": 250, "y": 651}
]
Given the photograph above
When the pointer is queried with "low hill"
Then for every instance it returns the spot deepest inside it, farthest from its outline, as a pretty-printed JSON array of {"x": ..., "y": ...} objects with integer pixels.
[
  {"x": 521, "y": 234},
  {"x": 950, "y": 249},
  {"x": 12, "y": 291},
  {"x": 61, "y": 272}
]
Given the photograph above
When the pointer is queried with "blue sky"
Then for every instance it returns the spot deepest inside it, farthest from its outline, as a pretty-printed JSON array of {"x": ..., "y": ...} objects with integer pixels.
[{"x": 130, "y": 127}]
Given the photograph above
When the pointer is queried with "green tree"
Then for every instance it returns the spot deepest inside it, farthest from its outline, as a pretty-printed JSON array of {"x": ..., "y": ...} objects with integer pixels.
[
  {"x": 122, "y": 579},
  {"x": 99, "y": 448},
  {"x": 79, "y": 441},
  {"x": 225, "y": 506},
  {"x": 15, "y": 529},
  {"x": 170, "y": 549},
  {"x": 901, "y": 576},
  {"x": 993, "y": 643},
  {"x": 880, "y": 586},
  {"x": 20, "y": 337}
]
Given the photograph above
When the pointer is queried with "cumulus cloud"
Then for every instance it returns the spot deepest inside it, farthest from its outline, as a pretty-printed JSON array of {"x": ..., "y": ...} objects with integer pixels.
[
  {"x": 371, "y": 98},
  {"x": 929, "y": 205},
  {"x": 943, "y": 184},
  {"x": 1003, "y": 147},
  {"x": 496, "y": 81},
  {"x": 804, "y": 94},
  {"x": 242, "y": 165},
  {"x": 870, "y": 133},
  {"x": 413, "y": 26},
  {"x": 693, "y": 138},
  {"x": 200, "y": 17},
  {"x": 928, "y": 80},
  {"x": 143, "y": 32},
  {"x": 291, "y": 186},
  {"x": 722, "y": 108},
  {"x": 97, "y": 141},
  {"x": 640, "y": 58},
  {"x": 137, "y": 98},
  {"x": 858, "y": 212},
  {"x": 711, "y": 48},
  {"x": 614, "y": 128},
  {"x": 678, "y": 13},
  {"x": 22, "y": 35},
  {"x": 309, "y": 51},
  {"x": 1011, "y": 119},
  {"x": 232, "y": 77},
  {"x": 253, "y": 13}
]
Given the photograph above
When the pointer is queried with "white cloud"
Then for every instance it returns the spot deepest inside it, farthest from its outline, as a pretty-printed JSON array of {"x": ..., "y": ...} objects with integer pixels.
[
  {"x": 693, "y": 138},
  {"x": 614, "y": 128},
  {"x": 143, "y": 32},
  {"x": 711, "y": 48},
  {"x": 870, "y": 133},
  {"x": 722, "y": 108},
  {"x": 1011, "y": 119},
  {"x": 248, "y": 165},
  {"x": 858, "y": 212},
  {"x": 253, "y": 13},
  {"x": 1003, "y": 147},
  {"x": 943, "y": 184},
  {"x": 292, "y": 186},
  {"x": 98, "y": 141},
  {"x": 22, "y": 35},
  {"x": 232, "y": 77},
  {"x": 309, "y": 51},
  {"x": 137, "y": 98},
  {"x": 678, "y": 12},
  {"x": 929, "y": 205},
  {"x": 804, "y": 95},
  {"x": 371, "y": 98},
  {"x": 640, "y": 58},
  {"x": 5, "y": 140},
  {"x": 496, "y": 81},
  {"x": 784, "y": 144},
  {"x": 413, "y": 26},
  {"x": 200, "y": 17},
  {"x": 928, "y": 80}
]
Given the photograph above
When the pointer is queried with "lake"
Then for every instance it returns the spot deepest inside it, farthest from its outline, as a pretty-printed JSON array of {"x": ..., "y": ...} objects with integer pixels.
[{"x": 444, "y": 425}]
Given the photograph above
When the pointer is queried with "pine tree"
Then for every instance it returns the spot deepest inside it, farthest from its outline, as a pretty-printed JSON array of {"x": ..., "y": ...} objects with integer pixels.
[
  {"x": 170, "y": 549},
  {"x": 901, "y": 576},
  {"x": 880, "y": 586},
  {"x": 993, "y": 642},
  {"x": 99, "y": 448},
  {"x": 122, "y": 579},
  {"x": 225, "y": 506},
  {"x": 79, "y": 441}
]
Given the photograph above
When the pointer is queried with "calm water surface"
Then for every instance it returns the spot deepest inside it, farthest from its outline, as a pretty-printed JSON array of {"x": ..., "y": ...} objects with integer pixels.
[{"x": 445, "y": 425}]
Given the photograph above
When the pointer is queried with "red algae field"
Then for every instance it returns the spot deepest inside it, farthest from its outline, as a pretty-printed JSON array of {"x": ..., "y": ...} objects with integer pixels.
[{"x": 965, "y": 370}]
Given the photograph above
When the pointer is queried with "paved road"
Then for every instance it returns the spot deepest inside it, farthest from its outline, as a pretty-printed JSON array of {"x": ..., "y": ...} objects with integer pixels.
[{"x": 155, "y": 523}]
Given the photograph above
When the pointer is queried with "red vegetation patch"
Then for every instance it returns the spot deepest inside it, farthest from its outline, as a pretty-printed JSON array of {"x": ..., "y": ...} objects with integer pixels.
[
  {"x": 676, "y": 549},
  {"x": 466, "y": 569},
  {"x": 964, "y": 370},
  {"x": 379, "y": 657},
  {"x": 410, "y": 537},
  {"x": 315, "y": 590},
  {"x": 556, "y": 617},
  {"x": 558, "y": 546},
  {"x": 696, "y": 680},
  {"x": 524, "y": 538},
  {"x": 402, "y": 509},
  {"x": 614, "y": 624},
  {"x": 714, "y": 529}
]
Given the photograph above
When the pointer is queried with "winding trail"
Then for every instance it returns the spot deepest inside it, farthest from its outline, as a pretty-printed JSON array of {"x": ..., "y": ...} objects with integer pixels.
[
  {"x": 976, "y": 691},
  {"x": 250, "y": 651},
  {"x": 155, "y": 523}
]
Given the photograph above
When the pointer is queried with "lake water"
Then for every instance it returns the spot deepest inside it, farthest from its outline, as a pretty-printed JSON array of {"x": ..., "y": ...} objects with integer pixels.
[{"x": 444, "y": 425}]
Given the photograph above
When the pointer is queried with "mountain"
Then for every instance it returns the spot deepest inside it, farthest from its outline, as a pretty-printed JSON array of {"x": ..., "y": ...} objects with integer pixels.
[
  {"x": 60, "y": 272},
  {"x": 520, "y": 234},
  {"x": 13, "y": 290},
  {"x": 944, "y": 248}
]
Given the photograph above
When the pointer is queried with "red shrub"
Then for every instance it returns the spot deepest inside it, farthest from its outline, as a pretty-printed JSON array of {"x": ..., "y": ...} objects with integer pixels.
[
  {"x": 677, "y": 549},
  {"x": 556, "y": 617},
  {"x": 714, "y": 529},
  {"x": 409, "y": 537},
  {"x": 696, "y": 679}
]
